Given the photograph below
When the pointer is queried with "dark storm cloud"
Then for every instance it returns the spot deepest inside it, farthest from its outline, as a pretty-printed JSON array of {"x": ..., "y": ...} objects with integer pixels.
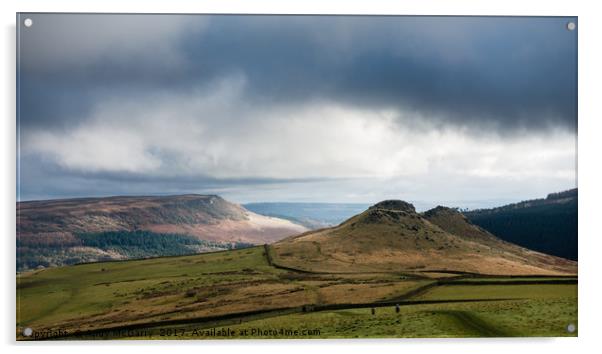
[
  {"x": 497, "y": 73},
  {"x": 491, "y": 73}
]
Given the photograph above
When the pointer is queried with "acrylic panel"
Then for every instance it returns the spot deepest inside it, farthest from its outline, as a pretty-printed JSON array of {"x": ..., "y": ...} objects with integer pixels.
[{"x": 201, "y": 177}]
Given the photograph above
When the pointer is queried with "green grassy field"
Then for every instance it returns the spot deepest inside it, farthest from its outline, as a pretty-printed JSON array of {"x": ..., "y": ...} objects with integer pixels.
[
  {"x": 498, "y": 319},
  {"x": 531, "y": 310},
  {"x": 62, "y": 295},
  {"x": 194, "y": 297}
]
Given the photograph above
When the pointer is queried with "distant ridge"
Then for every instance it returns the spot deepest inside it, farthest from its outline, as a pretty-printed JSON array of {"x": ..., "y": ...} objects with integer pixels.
[
  {"x": 563, "y": 197},
  {"x": 547, "y": 225},
  {"x": 67, "y": 231},
  {"x": 391, "y": 236}
]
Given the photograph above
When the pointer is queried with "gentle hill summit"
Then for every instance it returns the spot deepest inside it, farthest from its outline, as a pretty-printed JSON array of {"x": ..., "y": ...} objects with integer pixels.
[
  {"x": 454, "y": 222},
  {"x": 57, "y": 232},
  {"x": 391, "y": 236}
]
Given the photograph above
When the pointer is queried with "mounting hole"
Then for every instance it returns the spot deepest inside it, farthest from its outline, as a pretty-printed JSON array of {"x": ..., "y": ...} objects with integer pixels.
[
  {"x": 28, "y": 22},
  {"x": 571, "y": 328},
  {"x": 571, "y": 26},
  {"x": 27, "y": 332}
]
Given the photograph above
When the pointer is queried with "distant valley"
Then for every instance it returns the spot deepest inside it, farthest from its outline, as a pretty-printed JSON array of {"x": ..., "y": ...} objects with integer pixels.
[{"x": 311, "y": 215}]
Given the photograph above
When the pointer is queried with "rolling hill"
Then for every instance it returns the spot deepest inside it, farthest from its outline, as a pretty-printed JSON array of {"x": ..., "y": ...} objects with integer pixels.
[
  {"x": 392, "y": 236},
  {"x": 546, "y": 225},
  {"x": 58, "y": 232}
]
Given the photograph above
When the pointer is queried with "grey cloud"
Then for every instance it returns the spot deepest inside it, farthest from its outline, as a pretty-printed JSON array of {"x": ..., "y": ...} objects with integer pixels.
[
  {"x": 42, "y": 179},
  {"x": 513, "y": 78}
]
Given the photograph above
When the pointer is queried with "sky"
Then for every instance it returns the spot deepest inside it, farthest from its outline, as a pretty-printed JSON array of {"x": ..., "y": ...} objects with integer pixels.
[{"x": 462, "y": 111}]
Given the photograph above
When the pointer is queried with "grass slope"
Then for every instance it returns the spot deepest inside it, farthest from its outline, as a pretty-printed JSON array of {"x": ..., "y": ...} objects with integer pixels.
[
  {"x": 155, "y": 294},
  {"x": 105, "y": 295}
]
